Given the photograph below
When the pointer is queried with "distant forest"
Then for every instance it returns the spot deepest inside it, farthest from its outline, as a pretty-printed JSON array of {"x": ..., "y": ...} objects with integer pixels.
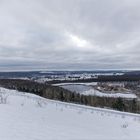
[
  {"x": 102, "y": 78},
  {"x": 58, "y": 93}
]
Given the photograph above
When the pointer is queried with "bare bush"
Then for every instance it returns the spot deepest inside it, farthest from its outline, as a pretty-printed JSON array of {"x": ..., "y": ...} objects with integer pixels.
[
  {"x": 3, "y": 99},
  {"x": 39, "y": 103},
  {"x": 125, "y": 125}
]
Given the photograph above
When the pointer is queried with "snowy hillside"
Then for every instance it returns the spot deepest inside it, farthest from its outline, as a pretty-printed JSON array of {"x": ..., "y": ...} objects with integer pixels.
[{"x": 29, "y": 117}]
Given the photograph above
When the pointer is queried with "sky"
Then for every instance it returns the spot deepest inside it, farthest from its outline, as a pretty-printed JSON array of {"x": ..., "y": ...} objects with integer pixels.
[{"x": 69, "y": 34}]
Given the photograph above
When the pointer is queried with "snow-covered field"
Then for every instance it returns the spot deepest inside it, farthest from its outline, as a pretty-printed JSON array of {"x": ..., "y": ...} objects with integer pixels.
[
  {"x": 114, "y": 95},
  {"x": 88, "y": 89},
  {"x": 88, "y": 84},
  {"x": 25, "y": 116}
]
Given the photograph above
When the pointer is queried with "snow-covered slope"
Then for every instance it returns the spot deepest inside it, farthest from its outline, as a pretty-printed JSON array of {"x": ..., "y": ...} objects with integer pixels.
[{"x": 24, "y": 116}]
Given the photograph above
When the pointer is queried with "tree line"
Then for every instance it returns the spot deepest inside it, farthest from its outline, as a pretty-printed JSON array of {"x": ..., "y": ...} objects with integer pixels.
[{"x": 58, "y": 93}]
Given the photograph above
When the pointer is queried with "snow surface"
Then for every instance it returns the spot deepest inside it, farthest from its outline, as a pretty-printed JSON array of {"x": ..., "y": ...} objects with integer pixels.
[
  {"x": 88, "y": 84},
  {"x": 88, "y": 89},
  {"x": 25, "y": 116},
  {"x": 113, "y": 95}
]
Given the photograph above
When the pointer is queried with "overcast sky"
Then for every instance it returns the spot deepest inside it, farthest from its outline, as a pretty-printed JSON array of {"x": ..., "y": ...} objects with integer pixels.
[{"x": 69, "y": 34}]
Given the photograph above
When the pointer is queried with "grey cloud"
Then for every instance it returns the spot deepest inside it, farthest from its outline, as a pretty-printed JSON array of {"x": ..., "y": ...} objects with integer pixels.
[{"x": 37, "y": 34}]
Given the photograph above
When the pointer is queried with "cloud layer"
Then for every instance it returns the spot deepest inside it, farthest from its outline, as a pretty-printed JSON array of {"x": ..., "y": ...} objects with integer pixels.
[{"x": 69, "y": 34}]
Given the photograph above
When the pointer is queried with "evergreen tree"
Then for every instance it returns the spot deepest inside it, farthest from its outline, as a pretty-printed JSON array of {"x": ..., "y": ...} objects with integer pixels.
[
  {"x": 119, "y": 105},
  {"x": 134, "y": 105},
  {"x": 61, "y": 96}
]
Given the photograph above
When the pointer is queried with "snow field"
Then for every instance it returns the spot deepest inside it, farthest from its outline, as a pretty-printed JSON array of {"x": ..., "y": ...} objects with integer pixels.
[{"x": 26, "y": 116}]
